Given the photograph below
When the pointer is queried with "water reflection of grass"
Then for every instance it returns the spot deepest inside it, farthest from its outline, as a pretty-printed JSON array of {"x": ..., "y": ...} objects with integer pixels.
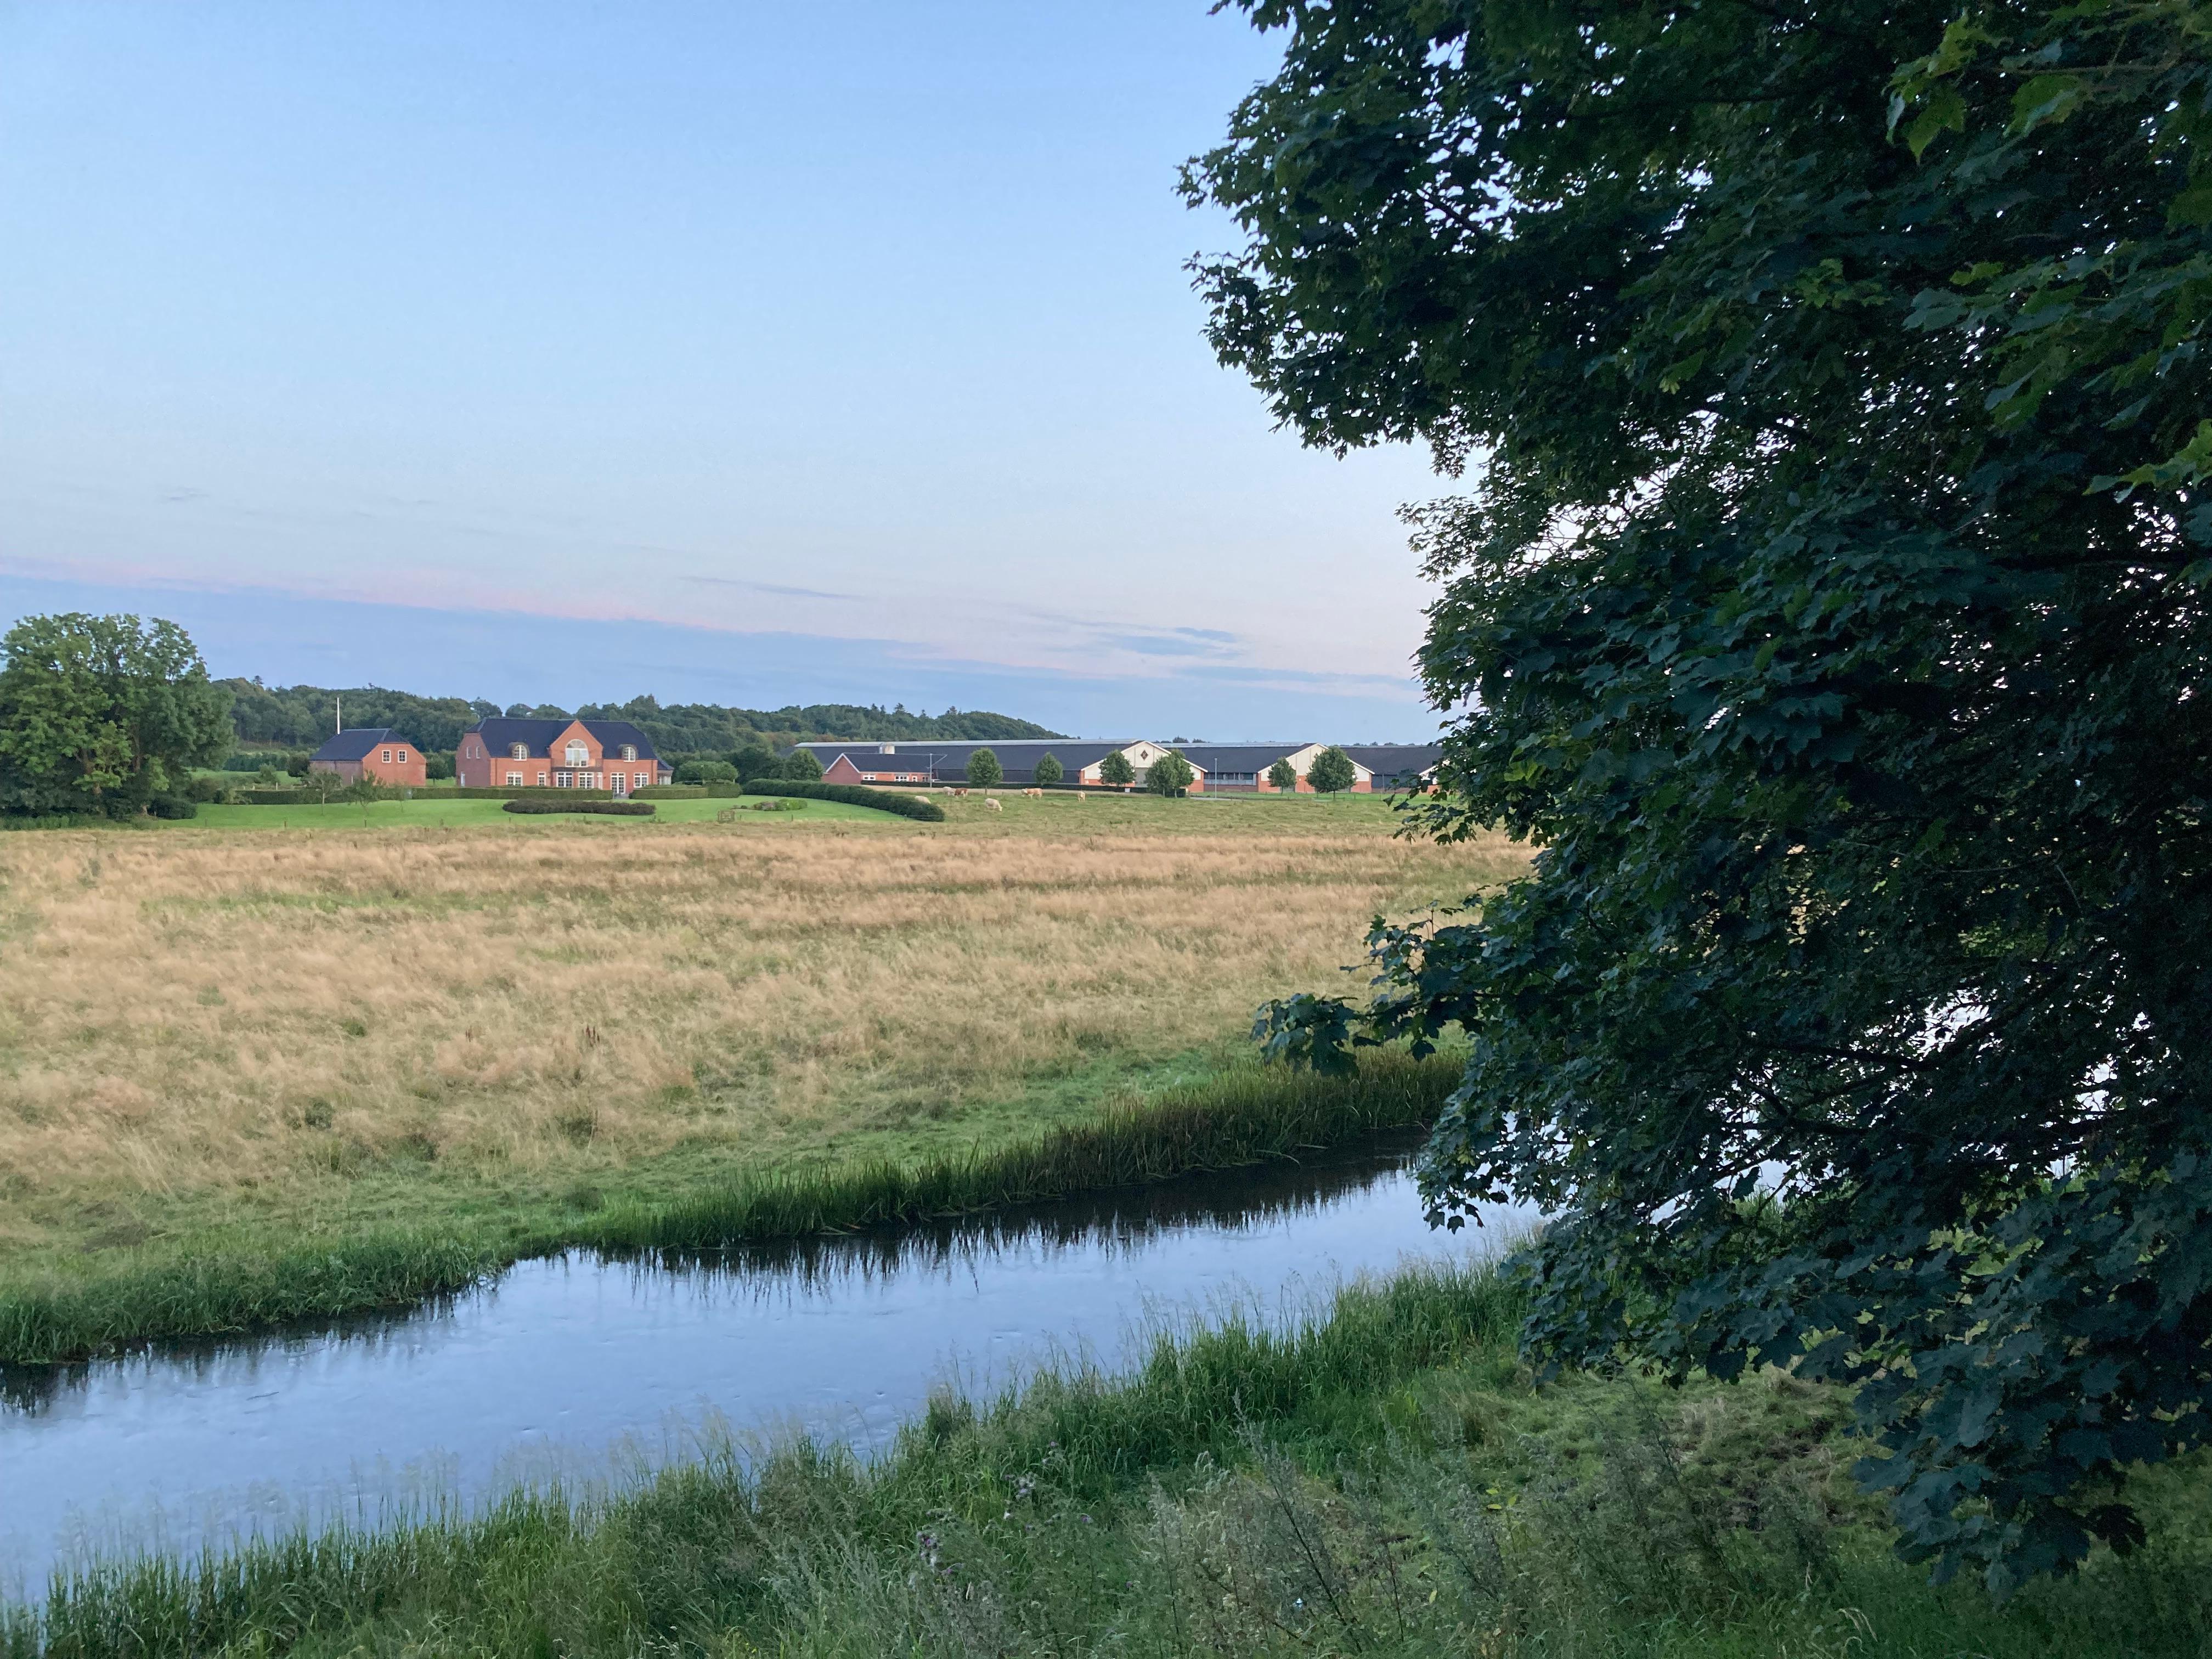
[
  {"x": 1380, "y": 1478},
  {"x": 1242, "y": 1115}
]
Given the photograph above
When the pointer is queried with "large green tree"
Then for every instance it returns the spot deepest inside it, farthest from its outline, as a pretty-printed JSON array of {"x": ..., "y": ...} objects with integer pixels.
[
  {"x": 101, "y": 714},
  {"x": 1828, "y": 605}
]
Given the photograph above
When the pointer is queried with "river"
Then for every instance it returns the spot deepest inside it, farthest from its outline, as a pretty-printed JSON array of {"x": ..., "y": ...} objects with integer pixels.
[{"x": 583, "y": 1369}]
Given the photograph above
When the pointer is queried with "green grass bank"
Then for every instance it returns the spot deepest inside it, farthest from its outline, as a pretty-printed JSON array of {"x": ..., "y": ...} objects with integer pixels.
[
  {"x": 1238, "y": 1116},
  {"x": 1379, "y": 1478}
]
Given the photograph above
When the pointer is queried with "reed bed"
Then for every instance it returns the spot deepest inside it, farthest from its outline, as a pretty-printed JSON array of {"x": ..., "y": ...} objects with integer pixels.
[
  {"x": 1375, "y": 1478},
  {"x": 1246, "y": 1115}
]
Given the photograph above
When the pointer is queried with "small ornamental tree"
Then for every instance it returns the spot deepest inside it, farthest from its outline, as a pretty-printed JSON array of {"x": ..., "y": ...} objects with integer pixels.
[
  {"x": 1116, "y": 770},
  {"x": 1170, "y": 774},
  {"x": 984, "y": 770},
  {"x": 1283, "y": 775},
  {"x": 802, "y": 766},
  {"x": 1049, "y": 770},
  {"x": 1331, "y": 772}
]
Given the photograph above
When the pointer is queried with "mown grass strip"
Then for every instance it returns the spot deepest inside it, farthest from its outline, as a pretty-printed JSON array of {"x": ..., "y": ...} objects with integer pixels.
[{"x": 1242, "y": 1116}]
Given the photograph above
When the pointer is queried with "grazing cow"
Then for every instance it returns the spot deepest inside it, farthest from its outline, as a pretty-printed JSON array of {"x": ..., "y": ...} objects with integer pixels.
[
  {"x": 959, "y": 795},
  {"x": 1033, "y": 794},
  {"x": 993, "y": 805}
]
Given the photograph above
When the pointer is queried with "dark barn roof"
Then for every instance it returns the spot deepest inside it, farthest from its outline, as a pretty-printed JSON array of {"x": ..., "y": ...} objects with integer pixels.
[
  {"x": 355, "y": 744},
  {"x": 502, "y": 733},
  {"x": 947, "y": 761},
  {"x": 1404, "y": 761},
  {"x": 1253, "y": 757}
]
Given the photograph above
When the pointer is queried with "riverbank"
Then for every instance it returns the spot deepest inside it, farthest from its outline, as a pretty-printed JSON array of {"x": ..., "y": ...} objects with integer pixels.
[
  {"x": 1241, "y": 1115},
  {"x": 1380, "y": 1478}
]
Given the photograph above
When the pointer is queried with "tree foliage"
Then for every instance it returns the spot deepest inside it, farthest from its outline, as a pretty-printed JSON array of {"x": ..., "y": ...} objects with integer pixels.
[
  {"x": 1830, "y": 610},
  {"x": 1049, "y": 769},
  {"x": 1115, "y": 769},
  {"x": 1331, "y": 772},
  {"x": 1283, "y": 775},
  {"x": 302, "y": 716},
  {"x": 983, "y": 769},
  {"x": 103, "y": 714},
  {"x": 803, "y": 766},
  {"x": 1170, "y": 774}
]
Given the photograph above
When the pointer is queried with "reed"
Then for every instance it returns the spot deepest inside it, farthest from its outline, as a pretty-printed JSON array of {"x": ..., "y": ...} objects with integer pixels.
[{"x": 1241, "y": 1116}]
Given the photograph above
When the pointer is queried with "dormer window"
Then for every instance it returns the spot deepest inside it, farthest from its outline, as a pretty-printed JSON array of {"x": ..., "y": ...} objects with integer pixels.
[
  {"x": 629, "y": 751},
  {"x": 578, "y": 753},
  {"x": 519, "y": 751}
]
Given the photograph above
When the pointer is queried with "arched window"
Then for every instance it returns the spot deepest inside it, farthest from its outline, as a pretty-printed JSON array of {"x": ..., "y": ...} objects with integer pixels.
[
  {"x": 578, "y": 752},
  {"x": 629, "y": 751},
  {"x": 519, "y": 751}
]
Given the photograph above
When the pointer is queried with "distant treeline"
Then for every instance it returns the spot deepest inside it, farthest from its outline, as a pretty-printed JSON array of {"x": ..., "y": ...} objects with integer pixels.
[{"x": 302, "y": 716}]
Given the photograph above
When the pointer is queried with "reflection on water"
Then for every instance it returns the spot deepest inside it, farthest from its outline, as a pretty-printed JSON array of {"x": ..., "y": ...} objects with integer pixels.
[{"x": 587, "y": 1366}]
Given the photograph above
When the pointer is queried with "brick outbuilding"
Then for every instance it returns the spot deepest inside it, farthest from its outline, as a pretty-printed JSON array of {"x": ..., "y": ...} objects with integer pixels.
[{"x": 376, "y": 752}]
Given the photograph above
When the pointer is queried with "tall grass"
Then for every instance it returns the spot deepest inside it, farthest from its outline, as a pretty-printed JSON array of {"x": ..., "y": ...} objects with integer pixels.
[
  {"x": 1241, "y": 1116},
  {"x": 296, "y": 1031},
  {"x": 1375, "y": 1479}
]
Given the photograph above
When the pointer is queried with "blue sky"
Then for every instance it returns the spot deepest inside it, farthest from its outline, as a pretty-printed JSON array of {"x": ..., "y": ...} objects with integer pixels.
[{"x": 746, "y": 352}]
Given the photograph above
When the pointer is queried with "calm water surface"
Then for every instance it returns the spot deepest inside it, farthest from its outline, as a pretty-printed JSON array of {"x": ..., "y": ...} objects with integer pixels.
[{"x": 579, "y": 1367}]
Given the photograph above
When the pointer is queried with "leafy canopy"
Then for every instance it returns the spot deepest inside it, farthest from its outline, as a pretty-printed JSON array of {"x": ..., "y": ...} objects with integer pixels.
[
  {"x": 102, "y": 714},
  {"x": 1282, "y": 774},
  {"x": 983, "y": 769},
  {"x": 1829, "y": 608},
  {"x": 803, "y": 766},
  {"x": 1117, "y": 769},
  {"x": 1170, "y": 774},
  {"x": 1331, "y": 772},
  {"x": 1049, "y": 769}
]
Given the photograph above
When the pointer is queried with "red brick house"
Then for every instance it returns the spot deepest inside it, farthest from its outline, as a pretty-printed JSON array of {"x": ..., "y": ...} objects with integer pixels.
[
  {"x": 501, "y": 753},
  {"x": 375, "y": 752}
]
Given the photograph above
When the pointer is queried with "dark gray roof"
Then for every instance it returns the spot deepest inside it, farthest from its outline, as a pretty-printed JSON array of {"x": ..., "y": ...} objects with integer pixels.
[
  {"x": 1395, "y": 760},
  {"x": 944, "y": 759},
  {"x": 501, "y": 733},
  {"x": 1253, "y": 757},
  {"x": 355, "y": 744}
]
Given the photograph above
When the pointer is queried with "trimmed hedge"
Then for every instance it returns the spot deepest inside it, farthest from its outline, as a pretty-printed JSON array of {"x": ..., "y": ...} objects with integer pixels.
[
  {"x": 883, "y": 800},
  {"x": 620, "y": 809},
  {"x": 686, "y": 792}
]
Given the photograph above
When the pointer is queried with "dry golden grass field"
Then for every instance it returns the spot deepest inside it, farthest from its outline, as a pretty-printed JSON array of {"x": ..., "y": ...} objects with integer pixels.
[{"x": 201, "y": 1026}]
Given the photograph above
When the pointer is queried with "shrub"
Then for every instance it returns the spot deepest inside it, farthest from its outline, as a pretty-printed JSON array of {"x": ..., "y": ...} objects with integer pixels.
[
  {"x": 705, "y": 771},
  {"x": 1332, "y": 771},
  {"x": 1049, "y": 771},
  {"x": 619, "y": 809},
  {"x": 883, "y": 800},
  {"x": 173, "y": 806},
  {"x": 984, "y": 770}
]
